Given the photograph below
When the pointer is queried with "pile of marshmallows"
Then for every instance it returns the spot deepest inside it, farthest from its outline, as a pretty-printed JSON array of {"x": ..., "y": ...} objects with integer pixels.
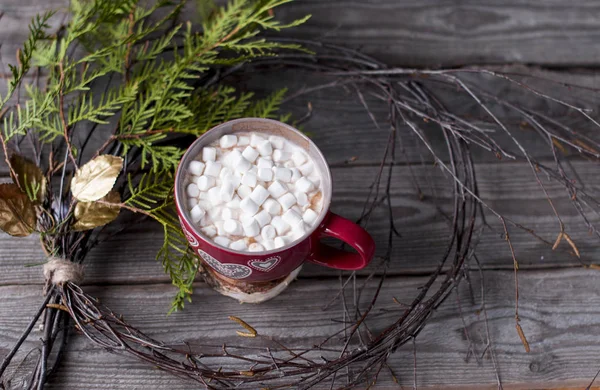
[{"x": 254, "y": 192}]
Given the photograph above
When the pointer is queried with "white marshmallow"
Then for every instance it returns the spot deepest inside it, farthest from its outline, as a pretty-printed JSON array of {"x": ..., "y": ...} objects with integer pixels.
[
  {"x": 277, "y": 141},
  {"x": 234, "y": 179},
  {"x": 306, "y": 169},
  {"x": 255, "y": 247},
  {"x": 197, "y": 213},
  {"x": 248, "y": 206},
  {"x": 280, "y": 156},
  {"x": 255, "y": 139},
  {"x": 232, "y": 227},
  {"x": 289, "y": 164},
  {"x": 220, "y": 230},
  {"x": 304, "y": 185},
  {"x": 227, "y": 190},
  {"x": 291, "y": 217},
  {"x": 272, "y": 206},
  {"x": 265, "y": 148},
  {"x": 283, "y": 174},
  {"x": 209, "y": 230},
  {"x": 277, "y": 189},
  {"x": 287, "y": 201},
  {"x": 268, "y": 232},
  {"x": 221, "y": 240},
  {"x": 192, "y": 202},
  {"x": 213, "y": 211},
  {"x": 299, "y": 230},
  {"x": 295, "y": 174},
  {"x": 301, "y": 198},
  {"x": 205, "y": 204},
  {"x": 279, "y": 242},
  {"x": 249, "y": 179},
  {"x": 265, "y": 174},
  {"x": 192, "y": 190},
  {"x": 263, "y": 218},
  {"x": 298, "y": 158},
  {"x": 280, "y": 225},
  {"x": 203, "y": 196},
  {"x": 259, "y": 195},
  {"x": 228, "y": 213},
  {"x": 228, "y": 141},
  {"x": 244, "y": 191},
  {"x": 269, "y": 244},
  {"x": 232, "y": 158},
  {"x": 245, "y": 218},
  {"x": 209, "y": 154},
  {"x": 196, "y": 168},
  {"x": 264, "y": 163},
  {"x": 251, "y": 228},
  {"x": 310, "y": 216},
  {"x": 242, "y": 165},
  {"x": 205, "y": 182},
  {"x": 239, "y": 245},
  {"x": 212, "y": 168},
  {"x": 250, "y": 154},
  {"x": 243, "y": 141},
  {"x": 235, "y": 202},
  {"x": 316, "y": 180},
  {"x": 214, "y": 196},
  {"x": 225, "y": 172}
]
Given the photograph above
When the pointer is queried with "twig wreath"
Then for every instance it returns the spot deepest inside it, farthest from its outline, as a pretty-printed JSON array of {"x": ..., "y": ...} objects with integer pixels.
[{"x": 164, "y": 84}]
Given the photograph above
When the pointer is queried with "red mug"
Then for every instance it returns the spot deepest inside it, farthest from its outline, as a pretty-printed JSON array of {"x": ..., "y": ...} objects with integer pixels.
[{"x": 277, "y": 263}]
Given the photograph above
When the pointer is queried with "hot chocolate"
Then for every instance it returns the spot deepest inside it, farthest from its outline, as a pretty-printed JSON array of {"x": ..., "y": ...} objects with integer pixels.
[{"x": 254, "y": 192}]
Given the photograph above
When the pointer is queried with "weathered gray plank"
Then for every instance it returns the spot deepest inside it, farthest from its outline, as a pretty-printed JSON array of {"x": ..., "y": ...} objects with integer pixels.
[
  {"x": 556, "y": 309},
  {"x": 421, "y": 33},
  {"x": 509, "y": 188},
  {"x": 343, "y": 130},
  {"x": 449, "y": 33},
  {"x": 339, "y": 124},
  {"x": 341, "y": 127}
]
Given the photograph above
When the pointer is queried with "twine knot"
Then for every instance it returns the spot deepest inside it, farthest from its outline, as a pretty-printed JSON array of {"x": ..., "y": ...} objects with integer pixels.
[{"x": 59, "y": 271}]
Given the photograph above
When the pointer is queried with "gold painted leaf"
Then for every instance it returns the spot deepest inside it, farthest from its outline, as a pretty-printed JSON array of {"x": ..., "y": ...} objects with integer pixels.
[
  {"x": 96, "y": 178},
  {"x": 29, "y": 177},
  {"x": 89, "y": 215},
  {"x": 17, "y": 214}
]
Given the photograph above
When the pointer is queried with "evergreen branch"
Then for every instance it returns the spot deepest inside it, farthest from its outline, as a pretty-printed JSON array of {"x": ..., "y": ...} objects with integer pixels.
[
  {"x": 152, "y": 195},
  {"x": 267, "y": 107},
  {"x": 37, "y": 28},
  {"x": 155, "y": 101},
  {"x": 109, "y": 104},
  {"x": 150, "y": 190}
]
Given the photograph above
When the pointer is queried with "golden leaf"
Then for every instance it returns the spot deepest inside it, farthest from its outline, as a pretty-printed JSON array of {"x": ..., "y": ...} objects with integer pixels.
[
  {"x": 89, "y": 215},
  {"x": 29, "y": 177},
  {"x": 17, "y": 214},
  {"x": 96, "y": 178}
]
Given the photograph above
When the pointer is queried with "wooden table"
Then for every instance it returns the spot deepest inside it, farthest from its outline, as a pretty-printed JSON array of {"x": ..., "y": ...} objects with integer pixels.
[{"x": 559, "y": 299}]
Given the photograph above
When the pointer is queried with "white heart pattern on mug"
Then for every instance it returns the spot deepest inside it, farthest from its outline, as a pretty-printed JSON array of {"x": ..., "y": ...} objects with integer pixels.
[
  {"x": 233, "y": 271},
  {"x": 265, "y": 265}
]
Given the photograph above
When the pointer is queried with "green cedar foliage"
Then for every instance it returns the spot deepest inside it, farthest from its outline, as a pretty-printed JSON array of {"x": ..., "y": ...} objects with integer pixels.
[{"x": 128, "y": 72}]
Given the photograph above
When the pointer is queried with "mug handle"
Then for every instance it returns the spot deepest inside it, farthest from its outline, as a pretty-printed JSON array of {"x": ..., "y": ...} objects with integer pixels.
[{"x": 345, "y": 230}]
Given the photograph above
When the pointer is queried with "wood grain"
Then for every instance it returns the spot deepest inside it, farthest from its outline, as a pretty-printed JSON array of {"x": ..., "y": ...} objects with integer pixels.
[
  {"x": 557, "y": 307},
  {"x": 343, "y": 130},
  {"x": 509, "y": 188},
  {"x": 557, "y": 312},
  {"x": 340, "y": 126},
  {"x": 450, "y": 33}
]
